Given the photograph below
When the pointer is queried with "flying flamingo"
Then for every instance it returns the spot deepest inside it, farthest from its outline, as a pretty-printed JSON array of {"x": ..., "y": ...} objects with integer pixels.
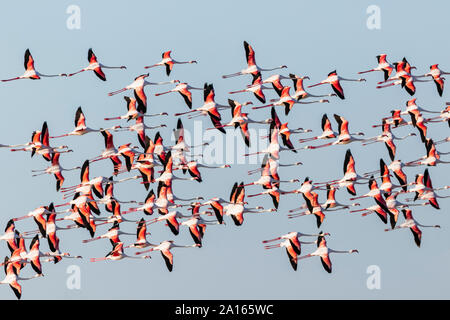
[
  {"x": 252, "y": 67},
  {"x": 344, "y": 137},
  {"x": 388, "y": 138},
  {"x": 383, "y": 65},
  {"x": 443, "y": 117},
  {"x": 324, "y": 253},
  {"x": 335, "y": 81},
  {"x": 275, "y": 80},
  {"x": 413, "y": 225},
  {"x": 402, "y": 68},
  {"x": 387, "y": 186},
  {"x": 164, "y": 247},
  {"x": 138, "y": 86},
  {"x": 30, "y": 71},
  {"x": 184, "y": 90},
  {"x": 171, "y": 218},
  {"x": 330, "y": 205},
  {"x": 109, "y": 152},
  {"x": 55, "y": 169},
  {"x": 350, "y": 177},
  {"x": 314, "y": 207},
  {"x": 210, "y": 107},
  {"x": 293, "y": 251},
  {"x": 327, "y": 131},
  {"x": 424, "y": 190},
  {"x": 133, "y": 112},
  {"x": 80, "y": 126},
  {"x": 168, "y": 62},
  {"x": 274, "y": 148},
  {"x": 300, "y": 92},
  {"x": 95, "y": 66},
  {"x": 256, "y": 88},
  {"x": 396, "y": 167},
  {"x": 241, "y": 120},
  {"x": 288, "y": 101},
  {"x": 41, "y": 144},
  {"x": 431, "y": 159},
  {"x": 112, "y": 234},
  {"x": 12, "y": 278},
  {"x": 197, "y": 227},
  {"x": 436, "y": 74},
  {"x": 117, "y": 253},
  {"x": 236, "y": 208},
  {"x": 139, "y": 127},
  {"x": 292, "y": 244},
  {"x": 10, "y": 235},
  {"x": 375, "y": 193}
]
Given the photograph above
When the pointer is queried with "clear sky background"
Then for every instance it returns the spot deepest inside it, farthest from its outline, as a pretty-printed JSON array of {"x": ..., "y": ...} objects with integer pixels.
[{"x": 311, "y": 38}]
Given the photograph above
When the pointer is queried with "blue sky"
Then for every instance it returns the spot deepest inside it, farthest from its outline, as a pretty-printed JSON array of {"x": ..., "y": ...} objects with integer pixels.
[{"x": 312, "y": 39}]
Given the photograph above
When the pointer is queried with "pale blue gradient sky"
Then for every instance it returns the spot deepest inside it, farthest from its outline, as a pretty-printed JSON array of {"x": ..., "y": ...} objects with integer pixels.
[{"x": 311, "y": 38}]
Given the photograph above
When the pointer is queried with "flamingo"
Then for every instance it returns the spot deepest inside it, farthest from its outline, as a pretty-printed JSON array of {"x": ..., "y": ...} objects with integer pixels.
[
  {"x": 95, "y": 66},
  {"x": 109, "y": 152},
  {"x": 413, "y": 225},
  {"x": 288, "y": 101},
  {"x": 197, "y": 227},
  {"x": 56, "y": 170},
  {"x": 10, "y": 235},
  {"x": 184, "y": 90},
  {"x": 386, "y": 185},
  {"x": 133, "y": 112},
  {"x": 235, "y": 209},
  {"x": 402, "y": 68},
  {"x": 168, "y": 62},
  {"x": 171, "y": 218},
  {"x": 241, "y": 120},
  {"x": 284, "y": 130},
  {"x": 293, "y": 251},
  {"x": 112, "y": 234},
  {"x": 350, "y": 177},
  {"x": 327, "y": 131},
  {"x": 30, "y": 71},
  {"x": 12, "y": 278},
  {"x": 138, "y": 86},
  {"x": 300, "y": 92},
  {"x": 405, "y": 79},
  {"x": 383, "y": 65},
  {"x": 164, "y": 247},
  {"x": 80, "y": 126},
  {"x": 344, "y": 137},
  {"x": 252, "y": 67},
  {"x": 210, "y": 107},
  {"x": 275, "y": 80},
  {"x": 193, "y": 168},
  {"x": 375, "y": 193},
  {"x": 443, "y": 117},
  {"x": 141, "y": 236},
  {"x": 117, "y": 253},
  {"x": 436, "y": 74},
  {"x": 432, "y": 158},
  {"x": 139, "y": 127},
  {"x": 256, "y": 88},
  {"x": 335, "y": 81},
  {"x": 314, "y": 207},
  {"x": 41, "y": 145},
  {"x": 388, "y": 138},
  {"x": 330, "y": 205},
  {"x": 274, "y": 147},
  {"x": 324, "y": 252},
  {"x": 425, "y": 191}
]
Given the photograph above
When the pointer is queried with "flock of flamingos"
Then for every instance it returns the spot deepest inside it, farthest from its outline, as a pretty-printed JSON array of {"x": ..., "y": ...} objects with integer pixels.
[{"x": 155, "y": 165}]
